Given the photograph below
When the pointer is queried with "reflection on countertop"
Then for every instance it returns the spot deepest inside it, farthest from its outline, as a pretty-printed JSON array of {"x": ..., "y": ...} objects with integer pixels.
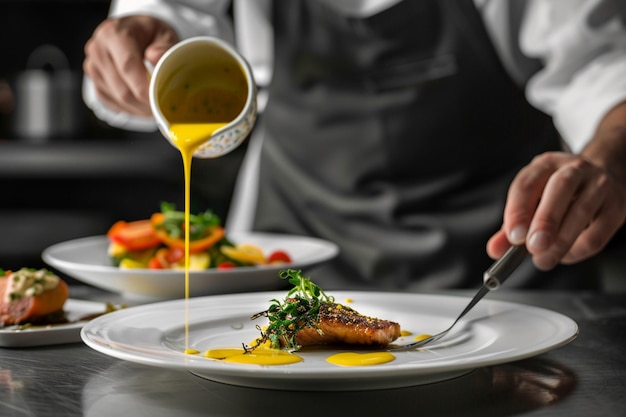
[{"x": 504, "y": 390}]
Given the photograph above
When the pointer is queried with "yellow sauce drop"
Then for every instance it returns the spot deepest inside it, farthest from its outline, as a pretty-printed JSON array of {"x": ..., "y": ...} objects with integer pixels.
[
  {"x": 360, "y": 359},
  {"x": 191, "y": 351},
  {"x": 404, "y": 333},
  {"x": 259, "y": 356},
  {"x": 421, "y": 337}
]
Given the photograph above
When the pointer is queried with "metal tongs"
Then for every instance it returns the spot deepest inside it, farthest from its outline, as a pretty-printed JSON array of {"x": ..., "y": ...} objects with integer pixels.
[{"x": 493, "y": 278}]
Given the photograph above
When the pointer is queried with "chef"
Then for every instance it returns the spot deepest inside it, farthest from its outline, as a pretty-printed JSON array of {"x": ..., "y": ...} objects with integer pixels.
[{"x": 410, "y": 132}]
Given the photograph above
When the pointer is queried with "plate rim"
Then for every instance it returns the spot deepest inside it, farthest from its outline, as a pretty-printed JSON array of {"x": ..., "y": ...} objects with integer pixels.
[
  {"x": 275, "y": 377},
  {"x": 47, "y": 254},
  {"x": 34, "y": 336}
]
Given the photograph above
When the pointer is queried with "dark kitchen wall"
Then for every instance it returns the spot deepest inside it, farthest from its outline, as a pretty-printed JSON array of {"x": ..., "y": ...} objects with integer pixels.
[{"x": 26, "y": 25}]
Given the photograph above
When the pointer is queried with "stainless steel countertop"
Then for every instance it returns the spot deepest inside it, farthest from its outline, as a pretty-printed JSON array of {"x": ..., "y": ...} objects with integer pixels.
[{"x": 584, "y": 378}]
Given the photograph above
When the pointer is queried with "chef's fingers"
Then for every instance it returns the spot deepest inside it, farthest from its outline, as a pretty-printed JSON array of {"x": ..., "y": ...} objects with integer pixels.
[
  {"x": 608, "y": 219},
  {"x": 110, "y": 87},
  {"x": 139, "y": 38},
  {"x": 522, "y": 200},
  {"x": 128, "y": 78},
  {"x": 569, "y": 203},
  {"x": 524, "y": 195},
  {"x": 498, "y": 244},
  {"x": 119, "y": 46},
  {"x": 164, "y": 38},
  {"x": 115, "y": 57},
  {"x": 127, "y": 104}
]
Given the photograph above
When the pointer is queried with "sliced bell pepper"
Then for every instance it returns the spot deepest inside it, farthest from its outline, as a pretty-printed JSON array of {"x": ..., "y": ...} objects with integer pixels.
[
  {"x": 215, "y": 234},
  {"x": 136, "y": 235},
  {"x": 245, "y": 252}
]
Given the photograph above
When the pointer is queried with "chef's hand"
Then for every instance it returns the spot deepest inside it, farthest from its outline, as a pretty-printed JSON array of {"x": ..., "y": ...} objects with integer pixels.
[
  {"x": 114, "y": 60},
  {"x": 565, "y": 208}
]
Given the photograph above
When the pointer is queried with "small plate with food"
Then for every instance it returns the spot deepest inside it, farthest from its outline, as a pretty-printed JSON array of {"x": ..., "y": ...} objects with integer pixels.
[
  {"x": 306, "y": 339},
  {"x": 35, "y": 309},
  {"x": 145, "y": 258}
]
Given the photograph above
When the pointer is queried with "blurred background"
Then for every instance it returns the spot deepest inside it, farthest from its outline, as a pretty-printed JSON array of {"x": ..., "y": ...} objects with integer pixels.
[{"x": 63, "y": 173}]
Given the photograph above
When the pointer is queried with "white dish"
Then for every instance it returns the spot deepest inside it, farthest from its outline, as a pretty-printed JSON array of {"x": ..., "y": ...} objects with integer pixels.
[
  {"x": 54, "y": 334},
  {"x": 494, "y": 332},
  {"x": 86, "y": 260}
]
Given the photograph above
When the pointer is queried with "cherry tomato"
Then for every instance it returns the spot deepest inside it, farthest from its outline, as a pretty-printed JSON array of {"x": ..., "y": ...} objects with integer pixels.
[
  {"x": 226, "y": 265},
  {"x": 279, "y": 256}
]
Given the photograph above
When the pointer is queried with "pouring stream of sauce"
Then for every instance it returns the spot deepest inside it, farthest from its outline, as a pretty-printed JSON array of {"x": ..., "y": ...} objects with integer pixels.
[
  {"x": 196, "y": 106},
  {"x": 188, "y": 137}
]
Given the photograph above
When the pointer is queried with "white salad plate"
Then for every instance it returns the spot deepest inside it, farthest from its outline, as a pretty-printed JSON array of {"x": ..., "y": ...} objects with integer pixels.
[
  {"x": 493, "y": 332},
  {"x": 87, "y": 260},
  {"x": 55, "y": 334}
]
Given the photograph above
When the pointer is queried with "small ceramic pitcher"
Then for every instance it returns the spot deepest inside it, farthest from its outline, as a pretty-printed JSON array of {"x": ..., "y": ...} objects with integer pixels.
[{"x": 205, "y": 80}]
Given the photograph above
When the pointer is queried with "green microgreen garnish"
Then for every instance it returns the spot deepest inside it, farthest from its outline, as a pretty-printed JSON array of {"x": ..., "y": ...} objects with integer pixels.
[
  {"x": 299, "y": 309},
  {"x": 199, "y": 224}
]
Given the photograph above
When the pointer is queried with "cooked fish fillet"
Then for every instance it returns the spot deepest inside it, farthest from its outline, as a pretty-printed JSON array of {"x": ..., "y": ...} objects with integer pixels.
[{"x": 339, "y": 324}]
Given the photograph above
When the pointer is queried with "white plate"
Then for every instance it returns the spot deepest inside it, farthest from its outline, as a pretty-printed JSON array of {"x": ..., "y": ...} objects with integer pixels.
[
  {"x": 86, "y": 260},
  {"x": 494, "y": 332},
  {"x": 54, "y": 334}
]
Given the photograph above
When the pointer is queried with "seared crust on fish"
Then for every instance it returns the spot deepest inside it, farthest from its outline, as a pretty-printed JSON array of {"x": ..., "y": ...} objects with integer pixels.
[{"x": 339, "y": 324}]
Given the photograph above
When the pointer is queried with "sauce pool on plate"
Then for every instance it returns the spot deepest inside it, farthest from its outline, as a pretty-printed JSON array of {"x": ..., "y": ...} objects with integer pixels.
[{"x": 360, "y": 359}]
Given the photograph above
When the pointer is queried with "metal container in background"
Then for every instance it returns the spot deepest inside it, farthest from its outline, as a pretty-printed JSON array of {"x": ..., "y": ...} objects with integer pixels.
[{"x": 48, "y": 100}]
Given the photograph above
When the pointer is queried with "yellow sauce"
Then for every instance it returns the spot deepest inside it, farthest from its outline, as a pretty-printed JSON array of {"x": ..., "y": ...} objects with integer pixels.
[
  {"x": 360, "y": 359},
  {"x": 421, "y": 337},
  {"x": 196, "y": 101},
  {"x": 259, "y": 356},
  {"x": 212, "y": 90},
  {"x": 404, "y": 333}
]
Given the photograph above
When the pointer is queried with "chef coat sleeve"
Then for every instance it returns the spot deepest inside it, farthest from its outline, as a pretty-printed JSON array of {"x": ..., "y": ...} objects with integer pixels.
[
  {"x": 582, "y": 44},
  {"x": 188, "y": 17}
]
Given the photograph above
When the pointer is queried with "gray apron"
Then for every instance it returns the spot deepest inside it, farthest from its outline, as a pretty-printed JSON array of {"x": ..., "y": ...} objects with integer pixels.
[{"x": 396, "y": 137}]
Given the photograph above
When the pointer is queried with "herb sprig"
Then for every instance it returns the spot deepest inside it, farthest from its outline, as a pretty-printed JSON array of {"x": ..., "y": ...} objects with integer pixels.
[
  {"x": 173, "y": 222},
  {"x": 299, "y": 309}
]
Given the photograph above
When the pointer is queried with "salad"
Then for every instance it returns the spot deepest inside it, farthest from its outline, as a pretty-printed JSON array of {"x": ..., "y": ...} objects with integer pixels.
[{"x": 159, "y": 243}]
